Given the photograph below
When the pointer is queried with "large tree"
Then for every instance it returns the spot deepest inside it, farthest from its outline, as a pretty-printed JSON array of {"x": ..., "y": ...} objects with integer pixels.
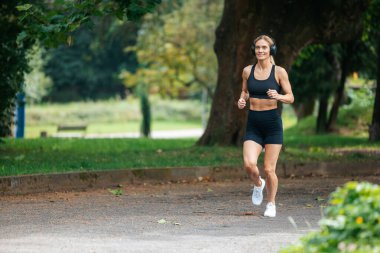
[
  {"x": 12, "y": 63},
  {"x": 294, "y": 24},
  {"x": 373, "y": 33}
]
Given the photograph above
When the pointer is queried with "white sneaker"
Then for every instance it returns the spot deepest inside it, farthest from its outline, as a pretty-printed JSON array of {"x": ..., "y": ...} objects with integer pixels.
[
  {"x": 257, "y": 194},
  {"x": 270, "y": 211}
]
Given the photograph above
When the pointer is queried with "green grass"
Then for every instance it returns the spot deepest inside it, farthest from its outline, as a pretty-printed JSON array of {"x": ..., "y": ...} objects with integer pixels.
[
  {"x": 115, "y": 127},
  {"x": 50, "y": 155},
  {"x": 109, "y": 111},
  {"x": 121, "y": 116},
  {"x": 112, "y": 116},
  {"x": 59, "y": 155},
  {"x": 325, "y": 148}
]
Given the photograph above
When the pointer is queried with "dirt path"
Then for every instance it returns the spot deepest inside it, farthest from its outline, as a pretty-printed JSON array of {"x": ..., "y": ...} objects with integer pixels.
[{"x": 200, "y": 217}]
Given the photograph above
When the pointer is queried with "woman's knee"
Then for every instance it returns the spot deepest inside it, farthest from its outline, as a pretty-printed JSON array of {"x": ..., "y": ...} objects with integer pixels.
[
  {"x": 251, "y": 166},
  {"x": 269, "y": 168}
]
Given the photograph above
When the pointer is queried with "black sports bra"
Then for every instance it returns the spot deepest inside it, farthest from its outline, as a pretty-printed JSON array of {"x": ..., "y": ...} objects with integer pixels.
[{"x": 259, "y": 88}]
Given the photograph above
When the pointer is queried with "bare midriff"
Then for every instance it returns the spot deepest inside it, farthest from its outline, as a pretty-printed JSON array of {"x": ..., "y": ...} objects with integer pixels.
[{"x": 259, "y": 104}]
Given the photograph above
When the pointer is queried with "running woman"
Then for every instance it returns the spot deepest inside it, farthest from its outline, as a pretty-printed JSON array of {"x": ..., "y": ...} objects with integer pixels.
[{"x": 262, "y": 83}]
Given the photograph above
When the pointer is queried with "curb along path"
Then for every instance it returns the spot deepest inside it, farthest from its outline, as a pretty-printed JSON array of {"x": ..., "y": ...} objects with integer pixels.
[{"x": 100, "y": 179}]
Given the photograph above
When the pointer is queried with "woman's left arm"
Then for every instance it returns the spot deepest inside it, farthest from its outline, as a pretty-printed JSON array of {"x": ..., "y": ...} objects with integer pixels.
[{"x": 287, "y": 96}]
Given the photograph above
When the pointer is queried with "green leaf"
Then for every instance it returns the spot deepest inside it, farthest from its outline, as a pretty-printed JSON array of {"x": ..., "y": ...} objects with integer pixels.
[
  {"x": 162, "y": 221},
  {"x": 116, "y": 192},
  {"x": 119, "y": 13},
  {"x": 21, "y": 36},
  {"x": 24, "y": 7}
]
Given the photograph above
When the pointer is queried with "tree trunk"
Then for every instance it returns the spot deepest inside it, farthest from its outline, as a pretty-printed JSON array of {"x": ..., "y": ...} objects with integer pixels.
[
  {"x": 374, "y": 129},
  {"x": 338, "y": 98},
  {"x": 304, "y": 109},
  {"x": 322, "y": 114},
  {"x": 6, "y": 120},
  {"x": 12, "y": 64},
  {"x": 341, "y": 68},
  {"x": 293, "y": 24}
]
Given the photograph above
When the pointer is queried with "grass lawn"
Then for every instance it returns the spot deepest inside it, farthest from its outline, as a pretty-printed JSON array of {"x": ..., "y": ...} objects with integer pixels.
[
  {"x": 112, "y": 116},
  {"x": 121, "y": 116},
  {"x": 58, "y": 155},
  {"x": 115, "y": 127},
  {"x": 50, "y": 155}
]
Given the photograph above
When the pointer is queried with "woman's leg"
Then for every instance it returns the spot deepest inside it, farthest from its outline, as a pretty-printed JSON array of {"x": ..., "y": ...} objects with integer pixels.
[
  {"x": 251, "y": 152},
  {"x": 272, "y": 152}
]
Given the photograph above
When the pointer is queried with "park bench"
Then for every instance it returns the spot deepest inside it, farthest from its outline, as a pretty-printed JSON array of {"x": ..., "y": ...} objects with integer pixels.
[{"x": 71, "y": 128}]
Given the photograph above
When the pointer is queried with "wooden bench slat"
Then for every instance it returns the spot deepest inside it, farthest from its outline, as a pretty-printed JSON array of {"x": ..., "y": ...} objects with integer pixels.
[{"x": 72, "y": 127}]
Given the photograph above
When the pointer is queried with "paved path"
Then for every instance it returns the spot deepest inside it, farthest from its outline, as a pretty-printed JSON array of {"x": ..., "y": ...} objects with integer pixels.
[{"x": 200, "y": 217}]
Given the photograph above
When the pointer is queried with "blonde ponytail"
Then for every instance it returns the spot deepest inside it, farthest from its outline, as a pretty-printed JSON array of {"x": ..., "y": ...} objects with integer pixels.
[{"x": 272, "y": 60}]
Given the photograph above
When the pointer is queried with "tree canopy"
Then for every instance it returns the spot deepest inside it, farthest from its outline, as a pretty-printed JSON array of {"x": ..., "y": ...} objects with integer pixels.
[
  {"x": 175, "y": 50},
  {"x": 99, "y": 54},
  {"x": 23, "y": 23}
]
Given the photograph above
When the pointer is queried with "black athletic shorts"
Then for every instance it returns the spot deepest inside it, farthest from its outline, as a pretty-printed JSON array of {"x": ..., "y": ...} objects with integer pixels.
[{"x": 264, "y": 127}]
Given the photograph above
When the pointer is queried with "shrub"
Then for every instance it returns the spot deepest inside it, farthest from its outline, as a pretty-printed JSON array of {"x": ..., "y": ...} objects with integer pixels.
[
  {"x": 357, "y": 115},
  {"x": 351, "y": 222}
]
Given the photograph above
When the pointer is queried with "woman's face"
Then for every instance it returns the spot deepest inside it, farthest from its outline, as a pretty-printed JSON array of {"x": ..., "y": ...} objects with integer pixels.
[{"x": 262, "y": 49}]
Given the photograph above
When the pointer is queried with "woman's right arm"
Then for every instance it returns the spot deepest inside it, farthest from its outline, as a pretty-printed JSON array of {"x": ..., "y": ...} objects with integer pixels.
[{"x": 244, "y": 95}]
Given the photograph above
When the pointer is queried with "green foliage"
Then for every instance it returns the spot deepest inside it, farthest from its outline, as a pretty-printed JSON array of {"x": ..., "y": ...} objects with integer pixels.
[
  {"x": 52, "y": 23},
  {"x": 372, "y": 26},
  {"x": 12, "y": 63},
  {"x": 37, "y": 84},
  {"x": 135, "y": 9},
  {"x": 356, "y": 116},
  {"x": 116, "y": 192},
  {"x": 313, "y": 72},
  {"x": 98, "y": 53},
  {"x": 353, "y": 117},
  {"x": 22, "y": 23},
  {"x": 175, "y": 49},
  {"x": 317, "y": 69},
  {"x": 372, "y": 37},
  {"x": 351, "y": 222},
  {"x": 305, "y": 126}
]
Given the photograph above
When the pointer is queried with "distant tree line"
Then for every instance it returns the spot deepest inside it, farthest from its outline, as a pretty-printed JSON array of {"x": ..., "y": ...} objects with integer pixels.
[{"x": 89, "y": 67}]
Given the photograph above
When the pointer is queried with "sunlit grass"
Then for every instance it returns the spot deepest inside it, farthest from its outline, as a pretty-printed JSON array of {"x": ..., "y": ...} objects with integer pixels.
[
  {"x": 51, "y": 155},
  {"x": 104, "y": 128}
]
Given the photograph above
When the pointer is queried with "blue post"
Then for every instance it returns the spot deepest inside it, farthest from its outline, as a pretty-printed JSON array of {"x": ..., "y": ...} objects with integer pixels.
[{"x": 20, "y": 115}]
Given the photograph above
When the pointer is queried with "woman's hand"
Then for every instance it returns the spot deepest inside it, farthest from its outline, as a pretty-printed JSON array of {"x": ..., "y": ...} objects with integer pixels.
[
  {"x": 241, "y": 103},
  {"x": 273, "y": 94}
]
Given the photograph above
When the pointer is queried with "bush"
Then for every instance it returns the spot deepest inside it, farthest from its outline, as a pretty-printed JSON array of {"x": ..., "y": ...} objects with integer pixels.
[
  {"x": 357, "y": 115},
  {"x": 351, "y": 222}
]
